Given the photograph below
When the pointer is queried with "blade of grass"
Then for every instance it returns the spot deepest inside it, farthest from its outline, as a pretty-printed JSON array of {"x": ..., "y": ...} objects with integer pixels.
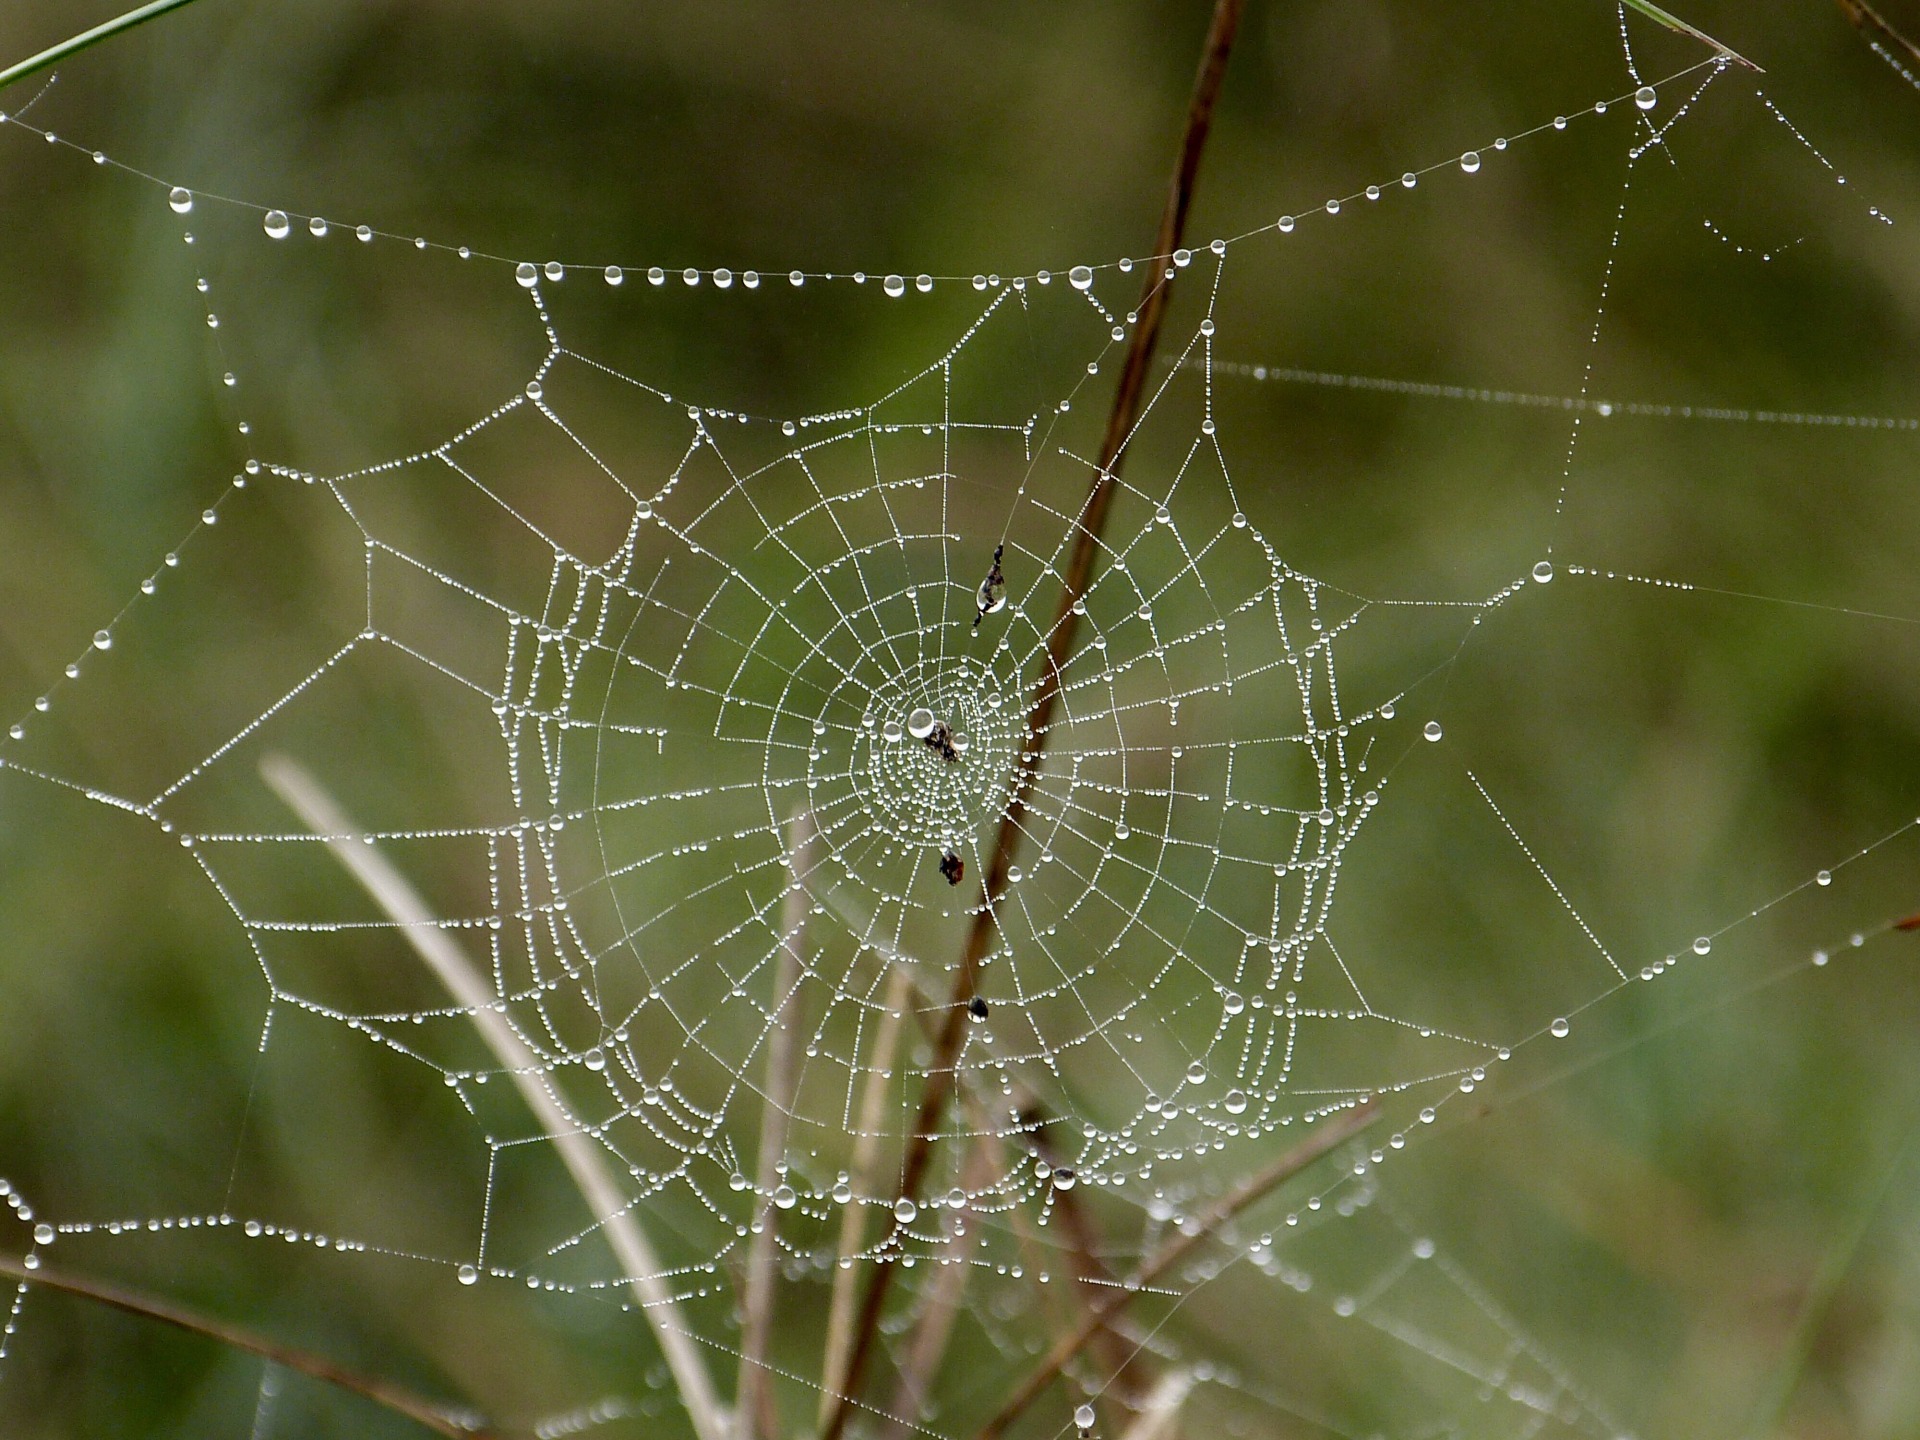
[
  {"x": 1160, "y": 1411},
  {"x": 1331, "y": 1133},
  {"x": 422, "y": 930},
  {"x": 1128, "y": 395},
  {"x": 87, "y": 39},
  {"x": 1675, "y": 23},
  {"x": 317, "y": 1367},
  {"x": 753, "y": 1396}
]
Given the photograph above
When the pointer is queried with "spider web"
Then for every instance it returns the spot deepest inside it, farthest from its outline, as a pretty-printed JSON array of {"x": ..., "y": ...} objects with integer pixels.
[{"x": 741, "y": 702}]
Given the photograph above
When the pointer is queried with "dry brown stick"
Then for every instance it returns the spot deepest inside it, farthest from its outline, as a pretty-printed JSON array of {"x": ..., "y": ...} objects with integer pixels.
[
  {"x": 754, "y": 1415},
  {"x": 1332, "y": 1132},
  {"x": 388, "y": 1396},
  {"x": 1127, "y": 400},
  {"x": 1870, "y": 23}
]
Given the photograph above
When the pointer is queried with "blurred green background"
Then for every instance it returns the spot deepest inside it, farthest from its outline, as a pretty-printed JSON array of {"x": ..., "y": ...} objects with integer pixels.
[{"x": 1702, "y": 1204}]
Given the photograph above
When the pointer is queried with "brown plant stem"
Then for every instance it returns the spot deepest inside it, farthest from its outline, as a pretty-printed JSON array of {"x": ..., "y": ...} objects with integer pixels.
[
  {"x": 1155, "y": 294},
  {"x": 317, "y": 1367},
  {"x": 754, "y": 1415},
  {"x": 1871, "y": 23},
  {"x": 1331, "y": 1133}
]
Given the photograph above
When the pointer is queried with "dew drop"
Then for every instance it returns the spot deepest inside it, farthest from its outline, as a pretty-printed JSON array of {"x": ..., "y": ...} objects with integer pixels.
[
  {"x": 1236, "y": 1102},
  {"x": 102, "y": 640},
  {"x": 1196, "y": 1073},
  {"x": 1559, "y": 1029},
  {"x": 894, "y": 286},
  {"x": 783, "y": 1197},
  {"x": 534, "y": 390},
  {"x": 891, "y": 730},
  {"x": 1470, "y": 161},
  {"x": 1645, "y": 98},
  {"x": 1083, "y": 1417},
  {"x": 555, "y": 270},
  {"x": 1432, "y": 730},
  {"x": 1825, "y": 877},
  {"x": 526, "y": 274},
  {"x": 43, "y": 1234},
  {"x": 595, "y": 1059},
  {"x": 842, "y": 1192},
  {"x": 1286, "y": 224},
  {"x": 1081, "y": 277},
  {"x": 363, "y": 233},
  {"x": 615, "y": 275},
  {"x": 468, "y": 1274},
  {"x": 317, "y": 228},
  {"x": 1543, "y": 572},
  {"x": 180, "y": 199},
  {"x": 1409, "y": 180},
  {"x": 1702, "y": 945},
  {"x": 274, "y": 222},
  {"x": 920, "y": 723},
  {"x": 923, "y": 283},
  {"x": 904, "y": 1210}
]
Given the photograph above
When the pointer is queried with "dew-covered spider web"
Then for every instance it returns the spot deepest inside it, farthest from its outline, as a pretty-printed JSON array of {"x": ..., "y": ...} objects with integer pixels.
[{"x": 682, "y": 732}]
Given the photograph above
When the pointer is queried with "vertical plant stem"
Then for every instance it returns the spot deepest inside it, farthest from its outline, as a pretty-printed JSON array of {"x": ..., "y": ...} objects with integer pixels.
[
  {"x": 422, "y": 929},
  {"x": 866, "y": 1154},
  {"x": 754, "y": 1416},
  {"x": 1160, "y": 1411},
  {"x": 1127, "y": 401}
]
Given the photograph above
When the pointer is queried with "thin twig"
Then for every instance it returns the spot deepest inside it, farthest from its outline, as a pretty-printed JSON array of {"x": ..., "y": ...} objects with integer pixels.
[
  {"x": 1870, "y": 23},
  {"x": 608, "y": 1205},
  {"x": 753, "y": 1398},
  {"x": 1676, "y": 24},
  {"x": 1120, "y": 423},
  {"x": 436, "y": 1418},
  {"x": 87, "y": 39},
  {"x": 1329, "y": 1134}
]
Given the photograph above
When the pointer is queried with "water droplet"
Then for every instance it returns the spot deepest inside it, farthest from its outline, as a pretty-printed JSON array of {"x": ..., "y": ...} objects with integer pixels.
[
  {"x": 1233, "y": 1003},
  {"x": 894, "y": 286},
  {"x": 1197, "y": 1073},
  {"x": 1559, "y": 122},
  {"x": 317, "y": 228},
  {"x": 1825, "y": 877},
  {"x": 180, "y": 199},
  {"x": 1432, "y": 730},
  {"x": 1286, "y": 224},
  {"x": 795, "y": 278},
  {"x": 904, "y": 1210},
  {"x": 1121, "y": 831},
  {"x": 1333, "y": 207},
  {"x": 526, "y": 274},
  {"x": 1083, "y": 1417},
  {"x": 1015, "y": 875},
  {"x": 102, "y": 640},
  {"x": 1470, "y": 161},
  {"x": 595, "y": 1059},
  {"x": 783, "y": 1197},
  {"x": 555, "y": 270},
  {"x": 923, "y": 283},
  {"x": 1559, "y": 1029},
  {"x": 842, "y": 1191},
  {"x": 1239, "y": 521},
  {"x": 274, "y": 222},
  {"x": 43, "y": 1234},
  {"x": 468, "y": 1274},
  {"x": 615, "y": 275},
  {"x": 1236, "y": 1102},
  {"x": 644, "y": 509},
  {"x": 363, "y": 233},
  {"x": 891, "y": 730},
  {"x": 1645, "y": 98},
  {"x": 1409, "y": 180},
  {"x": 1702, "y": 945},
  {"x": 920, "y": 723},
  {"x": 534, "y": 391},
  {"x": 1081, "y": 277},
  {"x": 1543, "y": 572}
]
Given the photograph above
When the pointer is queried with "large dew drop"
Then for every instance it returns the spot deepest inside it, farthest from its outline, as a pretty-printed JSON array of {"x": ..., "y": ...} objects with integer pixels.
[
  {"x": 1543, "y": 572},
  {"x": 1432, "y": 730},
  {"x": 180, "y": 200},
  {"x": 1645, "y": 98},
  {"x": 275, "y": 223},
  {"x": 1081, "y": 277},
  {"x": 920, "y": 723}
]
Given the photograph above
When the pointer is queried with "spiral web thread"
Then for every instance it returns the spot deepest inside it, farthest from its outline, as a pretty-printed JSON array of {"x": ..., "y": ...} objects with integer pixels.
[{"x": 752, "y": 730}]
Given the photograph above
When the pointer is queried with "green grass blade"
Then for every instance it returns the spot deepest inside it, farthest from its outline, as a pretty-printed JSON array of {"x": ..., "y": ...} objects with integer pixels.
[
  {"x": 1675, "y": 23},
  {"x": 86, "y": 39}
]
